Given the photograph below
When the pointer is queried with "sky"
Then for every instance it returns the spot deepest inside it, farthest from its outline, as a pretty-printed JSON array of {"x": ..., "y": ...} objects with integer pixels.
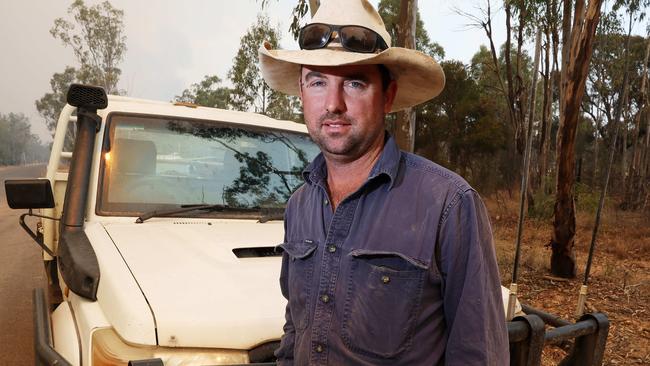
[{"x": 172, "y": 44}]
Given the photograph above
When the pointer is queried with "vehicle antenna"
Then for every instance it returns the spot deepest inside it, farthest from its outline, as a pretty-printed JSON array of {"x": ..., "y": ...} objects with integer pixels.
[
  {"x": 582, "y": 296},
  {"x": 512, "y": 298}
]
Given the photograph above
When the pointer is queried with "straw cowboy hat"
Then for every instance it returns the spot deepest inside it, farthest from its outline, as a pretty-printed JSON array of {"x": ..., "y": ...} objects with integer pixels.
[{"x": 419, "y": 78}]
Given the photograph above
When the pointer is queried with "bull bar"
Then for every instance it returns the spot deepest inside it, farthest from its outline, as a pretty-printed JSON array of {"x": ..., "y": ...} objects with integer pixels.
[{"x": 527, "y": 336}]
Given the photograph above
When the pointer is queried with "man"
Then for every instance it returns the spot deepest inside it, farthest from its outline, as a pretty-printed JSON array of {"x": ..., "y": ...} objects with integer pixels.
[{"x": 388, "y": 257}]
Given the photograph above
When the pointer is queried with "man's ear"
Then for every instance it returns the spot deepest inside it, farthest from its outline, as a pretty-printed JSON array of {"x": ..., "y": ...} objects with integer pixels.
[
  {"x": 300, "y": 82},
  {"x": 389, "y": 96}
]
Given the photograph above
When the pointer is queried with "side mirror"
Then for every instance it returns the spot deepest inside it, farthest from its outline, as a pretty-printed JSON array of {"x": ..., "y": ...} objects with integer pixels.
[{"x": 29, "y": 193}]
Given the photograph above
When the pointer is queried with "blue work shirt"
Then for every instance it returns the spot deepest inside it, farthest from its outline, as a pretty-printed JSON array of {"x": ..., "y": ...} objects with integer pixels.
[{"x": 364, "y": 283}]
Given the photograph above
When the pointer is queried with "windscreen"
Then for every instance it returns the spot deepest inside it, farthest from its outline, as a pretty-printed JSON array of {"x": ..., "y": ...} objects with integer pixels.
[{"x": 152, "y": 163}]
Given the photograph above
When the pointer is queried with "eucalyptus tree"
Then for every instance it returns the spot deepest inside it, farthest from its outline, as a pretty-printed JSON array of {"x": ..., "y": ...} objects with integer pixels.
[
  {"x": 404, "y": 24},
  {"x": 207, "y": 93},
  {"x": 96, "y": 35},
  {"x": 577, "y": 50},
  {"x": 250, "y": 92}
]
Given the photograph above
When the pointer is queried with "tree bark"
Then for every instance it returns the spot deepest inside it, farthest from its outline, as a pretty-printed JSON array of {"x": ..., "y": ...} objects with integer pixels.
[
  {"x": 575, "y": 68},
  {"x": 404, "y": 127}
]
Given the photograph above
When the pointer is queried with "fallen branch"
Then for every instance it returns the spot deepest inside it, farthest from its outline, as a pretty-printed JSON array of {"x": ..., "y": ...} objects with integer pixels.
[{"x": 558, "y": 279}]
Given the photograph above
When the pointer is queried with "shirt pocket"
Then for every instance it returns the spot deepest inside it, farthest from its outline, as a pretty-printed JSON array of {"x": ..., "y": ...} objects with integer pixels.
[
  {"x": 300, "y": 273},
  {"x": 382, "y": 302}
]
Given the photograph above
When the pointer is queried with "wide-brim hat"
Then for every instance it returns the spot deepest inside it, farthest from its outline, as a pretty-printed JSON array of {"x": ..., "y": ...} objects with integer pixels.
[{"x": 419, "y": 77}]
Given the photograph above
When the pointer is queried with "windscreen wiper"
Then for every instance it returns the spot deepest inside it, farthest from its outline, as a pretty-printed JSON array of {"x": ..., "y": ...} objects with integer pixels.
[{"x": 183, "y": 208}]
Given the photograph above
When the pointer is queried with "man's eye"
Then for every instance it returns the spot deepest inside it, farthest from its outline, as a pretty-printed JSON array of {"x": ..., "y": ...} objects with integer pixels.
[
  {"x": 316, "y": 84},
  {"x": 354, "y": 84}
]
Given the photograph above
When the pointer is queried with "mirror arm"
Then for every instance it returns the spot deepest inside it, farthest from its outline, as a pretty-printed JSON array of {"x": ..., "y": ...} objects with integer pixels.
[{"x": 33, "y": 235}]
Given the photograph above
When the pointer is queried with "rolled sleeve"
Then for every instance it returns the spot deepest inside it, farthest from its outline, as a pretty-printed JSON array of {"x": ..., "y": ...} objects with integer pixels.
[{"x": 476, "y": 327}]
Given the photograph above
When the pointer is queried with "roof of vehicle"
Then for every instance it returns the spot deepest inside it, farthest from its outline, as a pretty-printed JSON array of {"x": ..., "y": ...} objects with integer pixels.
[{"x": 150, "y": 107}]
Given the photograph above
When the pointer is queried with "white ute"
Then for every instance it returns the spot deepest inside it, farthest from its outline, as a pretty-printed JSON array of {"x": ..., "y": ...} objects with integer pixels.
[{"x": 164, "y": 247}]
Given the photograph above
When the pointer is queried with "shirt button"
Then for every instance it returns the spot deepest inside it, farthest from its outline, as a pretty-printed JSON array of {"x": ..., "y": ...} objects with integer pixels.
[
  {"x": 325, "y": 299},
  {"x": 326, "y": 202},
  {"x": 385, "y": 279},
  {"x": 319, "y": 348},
  {"x": 331, "y": 248}
]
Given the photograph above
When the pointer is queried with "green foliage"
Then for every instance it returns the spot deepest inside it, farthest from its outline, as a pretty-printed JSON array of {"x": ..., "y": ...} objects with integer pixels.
[
  {"x": 607, "y": 69},
  {"x": 586, "y": 200},
  {"x": 460, "y": 128},
  {"x": 250, "y": 92},
  {"x": 635, "y": 8},
  {"x": 50, "y": 104},
  {"x": 298, "y": 13},
  {"x": 96, "y": 36},
  {"x": 18, "y": 145},
  {"x": 544, "y": 203},
  {"x": 389, "y": 11},
  {"x": 208, "y": 93}
]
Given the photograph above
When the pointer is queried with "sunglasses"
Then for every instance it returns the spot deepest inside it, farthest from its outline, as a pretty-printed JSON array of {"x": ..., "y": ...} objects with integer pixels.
[{"x": 354, "y": 38}]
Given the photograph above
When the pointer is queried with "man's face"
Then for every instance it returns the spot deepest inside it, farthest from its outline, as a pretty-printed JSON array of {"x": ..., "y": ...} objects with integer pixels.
[{"x": 344, "y": 108}]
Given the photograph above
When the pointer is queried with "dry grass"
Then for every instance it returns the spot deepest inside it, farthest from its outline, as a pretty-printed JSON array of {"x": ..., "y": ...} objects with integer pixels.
[{"x": 619, "y": 285}]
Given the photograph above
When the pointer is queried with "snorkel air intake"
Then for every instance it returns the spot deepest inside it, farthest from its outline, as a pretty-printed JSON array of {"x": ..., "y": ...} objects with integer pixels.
[{"x": 77, "y": 260}]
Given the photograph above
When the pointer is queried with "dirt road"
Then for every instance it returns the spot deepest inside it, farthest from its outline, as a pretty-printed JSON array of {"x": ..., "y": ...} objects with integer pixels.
[{"x": 21, "y": 270}]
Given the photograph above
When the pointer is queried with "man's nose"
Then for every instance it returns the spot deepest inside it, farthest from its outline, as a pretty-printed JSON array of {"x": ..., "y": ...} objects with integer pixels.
[{"x": 335, "y": 102}]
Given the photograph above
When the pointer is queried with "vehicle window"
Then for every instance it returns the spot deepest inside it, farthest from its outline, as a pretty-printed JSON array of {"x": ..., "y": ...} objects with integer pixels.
[{"x": 151, "y": 163}]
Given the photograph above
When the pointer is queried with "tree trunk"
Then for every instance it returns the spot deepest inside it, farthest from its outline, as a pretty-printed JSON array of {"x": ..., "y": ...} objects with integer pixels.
[
  {"x": 625, "y": 108},
  {"x": 645, "y": 164},
  {"x": 404, "y": 127},
  {"x": 635, "y": 183},
  {"x": 520, "y": 91},
  {"x": 546, "y": 105},
  {"x": 594, "y": 177},
  {"x": 514, "y": 91},
  {"x": 574, "y": 73},
  {"x": 624, "y": 166},
  {"x": 531, "y": 119},
  {"x": 566, "y": 39}
]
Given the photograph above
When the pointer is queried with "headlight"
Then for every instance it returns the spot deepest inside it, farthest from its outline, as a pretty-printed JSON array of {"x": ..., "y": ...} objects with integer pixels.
[{"x": 108, "y": 349}]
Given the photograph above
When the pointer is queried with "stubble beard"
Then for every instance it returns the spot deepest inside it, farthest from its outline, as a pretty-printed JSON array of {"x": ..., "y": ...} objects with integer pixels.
[{"x": 345, "y": 145}]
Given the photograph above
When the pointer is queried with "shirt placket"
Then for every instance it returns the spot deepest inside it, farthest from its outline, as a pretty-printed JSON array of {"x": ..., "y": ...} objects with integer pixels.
[{"x": 330, "y": 263}]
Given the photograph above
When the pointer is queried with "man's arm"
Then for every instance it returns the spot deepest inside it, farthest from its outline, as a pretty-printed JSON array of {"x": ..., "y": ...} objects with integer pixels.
[
  {"x": 285, "y": 352},
  {"x": 476, "y": 327}
]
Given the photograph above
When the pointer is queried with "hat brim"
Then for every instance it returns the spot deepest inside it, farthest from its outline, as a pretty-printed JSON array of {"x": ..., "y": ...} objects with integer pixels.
[{"x": 419, "y": 78}]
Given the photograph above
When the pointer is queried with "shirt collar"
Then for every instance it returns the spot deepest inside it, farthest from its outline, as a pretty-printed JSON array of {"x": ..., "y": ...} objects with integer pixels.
[{"x": 388, "y": 165}]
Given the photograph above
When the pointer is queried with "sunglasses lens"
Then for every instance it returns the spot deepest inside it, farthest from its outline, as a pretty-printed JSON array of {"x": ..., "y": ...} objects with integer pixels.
[
  {"x": 358, "y": 39},
  {"x": 314, "y": 36}
]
